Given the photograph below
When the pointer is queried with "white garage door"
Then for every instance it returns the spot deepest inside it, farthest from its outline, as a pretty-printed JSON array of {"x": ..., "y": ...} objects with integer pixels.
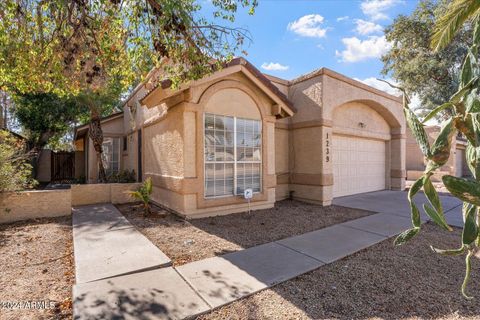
[
  {"x": 358, "y": 165},
  {"x": 459, "y": 162}
]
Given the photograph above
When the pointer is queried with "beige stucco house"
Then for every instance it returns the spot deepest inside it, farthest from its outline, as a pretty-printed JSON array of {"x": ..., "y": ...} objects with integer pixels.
[
  {"x": 314, "y": 138},
  {"x": 415, "y": 161}
]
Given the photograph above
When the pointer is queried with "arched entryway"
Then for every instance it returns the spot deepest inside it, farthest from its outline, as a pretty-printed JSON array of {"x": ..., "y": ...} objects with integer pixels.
[{"x": 361, "y": 148}]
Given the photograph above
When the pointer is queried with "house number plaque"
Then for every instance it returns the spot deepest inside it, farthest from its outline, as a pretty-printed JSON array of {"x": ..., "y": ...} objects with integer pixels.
[{"x": 327, "y": 148}]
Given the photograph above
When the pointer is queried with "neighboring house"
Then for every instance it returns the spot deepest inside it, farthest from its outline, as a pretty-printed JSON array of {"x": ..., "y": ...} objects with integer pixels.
[
  {"x": 415, "y": 161},
  {"x": 314, "y": 138}
]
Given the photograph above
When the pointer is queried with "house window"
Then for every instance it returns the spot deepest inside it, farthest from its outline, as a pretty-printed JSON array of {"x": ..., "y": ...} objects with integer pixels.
[
  {"x": 233, "y": 155},
  {"x": 111, "y": 155}
]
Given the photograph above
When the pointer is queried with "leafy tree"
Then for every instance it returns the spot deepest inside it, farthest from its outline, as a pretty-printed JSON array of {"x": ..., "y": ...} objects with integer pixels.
[
  {"x": 432, "y": 75},
  {"x": 44, "y": 116},
  {"x": 464, "y": 105},
  {"x": 15, "y": 171},
  {"x": 99, "y": 49}
]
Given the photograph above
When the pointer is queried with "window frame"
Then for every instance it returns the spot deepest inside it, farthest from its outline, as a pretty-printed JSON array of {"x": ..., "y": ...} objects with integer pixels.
[{"x": 235, "y": 161}]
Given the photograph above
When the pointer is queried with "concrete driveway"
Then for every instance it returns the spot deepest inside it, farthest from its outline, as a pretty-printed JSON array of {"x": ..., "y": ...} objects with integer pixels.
[{"x": 396, "y": 203}]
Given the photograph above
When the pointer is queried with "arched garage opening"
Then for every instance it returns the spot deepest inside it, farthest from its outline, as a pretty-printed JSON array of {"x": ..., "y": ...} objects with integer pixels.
[{"x": 361, "y": 147}]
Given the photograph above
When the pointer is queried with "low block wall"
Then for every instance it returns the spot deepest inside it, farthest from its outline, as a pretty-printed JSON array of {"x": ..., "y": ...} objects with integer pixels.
[
  {"x": 83, "y": 194},
  {"x": 415, "y": 175},
  {"x": 17, "y": 206}
]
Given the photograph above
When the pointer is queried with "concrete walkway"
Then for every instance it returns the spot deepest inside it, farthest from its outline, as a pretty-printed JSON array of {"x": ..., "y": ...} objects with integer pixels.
[
  {"x": 107, "y": 245},
  {"x": 197, "y": 287}
]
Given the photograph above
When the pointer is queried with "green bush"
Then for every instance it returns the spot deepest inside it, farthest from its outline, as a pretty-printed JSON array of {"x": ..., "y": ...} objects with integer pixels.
[
  {"x": 123, "y": 176},
  {"x": 15, "y": 170}
]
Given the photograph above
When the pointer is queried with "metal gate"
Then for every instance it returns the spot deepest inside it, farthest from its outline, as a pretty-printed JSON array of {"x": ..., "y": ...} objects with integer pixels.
[{"x": 63, "y": 167}]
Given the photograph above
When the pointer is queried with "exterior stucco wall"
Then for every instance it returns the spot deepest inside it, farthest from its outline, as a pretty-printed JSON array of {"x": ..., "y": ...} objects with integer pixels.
[
  {"x": 415, "y": 161},
  {"x": 79, "y": 164},
  {"x": 163, "y": 158},
  {"x": 414, "y": 157},
  {"x": 461, "y": 144},
  {"x": 44, "y": 168},
  {"x": 163, "y": 146},
  {"x": 329, "y": 103},
  {"x": 296, "y": 155},
  {"x": 346, "y": 119},
  {"x": 282, "y": 159},
  {"x": 178, "y": 175},
  {"x": 130, "y": 156}
]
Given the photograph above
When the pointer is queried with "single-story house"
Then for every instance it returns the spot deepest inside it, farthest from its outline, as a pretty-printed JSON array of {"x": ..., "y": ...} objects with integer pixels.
[
  {"x": 456, "y": 164},
  {"x": 317, "y": 137}
]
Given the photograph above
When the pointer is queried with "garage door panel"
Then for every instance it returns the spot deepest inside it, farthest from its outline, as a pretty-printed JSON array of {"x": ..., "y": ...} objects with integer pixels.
[
  {"x": 358, "y": 165},
  {"x": 459, "y": 158}
]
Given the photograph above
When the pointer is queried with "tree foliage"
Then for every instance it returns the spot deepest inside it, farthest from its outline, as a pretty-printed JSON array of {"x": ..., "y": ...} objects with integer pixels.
[
  {"x": 15, "y": 171},
  {"x": 457, "y": 14},
  {"x": 100, "y": 48},
  {"x": 431, "y": 75},
  {"x": 44, "y": 116},
  {"x": 82, "y": 44},
  {"x": 464, "y": 106}
]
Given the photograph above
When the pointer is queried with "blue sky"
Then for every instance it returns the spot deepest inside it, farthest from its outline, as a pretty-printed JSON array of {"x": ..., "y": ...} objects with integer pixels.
[{"x": 294, "y": 37}]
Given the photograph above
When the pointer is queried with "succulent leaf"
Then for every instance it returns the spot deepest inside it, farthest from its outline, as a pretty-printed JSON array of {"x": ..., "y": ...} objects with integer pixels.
[
  {"x": 405, "y": 236},
  {"x": 470, "y": 228},
  {"x": 462, "y": 188}
]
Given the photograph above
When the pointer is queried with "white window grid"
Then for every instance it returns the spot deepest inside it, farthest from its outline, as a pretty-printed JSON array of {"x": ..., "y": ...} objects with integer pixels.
[{"x": 234, "y": 162}]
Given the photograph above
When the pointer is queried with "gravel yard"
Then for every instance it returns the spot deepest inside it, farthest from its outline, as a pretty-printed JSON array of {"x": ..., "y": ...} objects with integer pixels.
[
  {"x": 380, "y": 282},
  {"x": 186, "y": 241},
  {"x": 37, "y": 265}
]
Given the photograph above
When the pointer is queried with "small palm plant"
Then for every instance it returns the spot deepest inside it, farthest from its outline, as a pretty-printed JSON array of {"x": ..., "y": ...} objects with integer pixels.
[{"x": 143, "y": 194}]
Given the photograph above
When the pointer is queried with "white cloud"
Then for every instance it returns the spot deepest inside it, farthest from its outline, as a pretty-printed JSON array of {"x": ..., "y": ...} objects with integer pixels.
[
  {"x": 367, "y": 27},
  {"x": 274, "y": 66},
  {"x": 309, "y": 26},
  {"x": 380, "y": 85},
  {"x": 342, "y": 18},
  {"x": 376, "y": 9},
  {"x": 359, "y": 50}
]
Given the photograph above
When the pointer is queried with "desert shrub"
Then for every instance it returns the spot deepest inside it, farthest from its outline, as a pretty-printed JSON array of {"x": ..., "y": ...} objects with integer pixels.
[{"x": 15, "y": 169}]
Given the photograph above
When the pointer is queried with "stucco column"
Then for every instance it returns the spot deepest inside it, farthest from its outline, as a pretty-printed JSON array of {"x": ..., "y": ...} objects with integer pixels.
[
  {"x": 311, "y": 161},
  {"x": 270, "y": 160},
  {"x": 190, "y": 149},
  {"x": 397, "y": 163},
  {"x": 327, "y": 164}
]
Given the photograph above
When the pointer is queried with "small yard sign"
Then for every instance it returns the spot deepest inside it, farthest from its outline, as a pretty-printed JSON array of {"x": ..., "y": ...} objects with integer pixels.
[{"x": 248, "y": 194}]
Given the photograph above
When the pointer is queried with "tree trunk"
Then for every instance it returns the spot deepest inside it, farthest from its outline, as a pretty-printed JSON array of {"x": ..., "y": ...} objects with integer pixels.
[{"x": 96, "y": 134}]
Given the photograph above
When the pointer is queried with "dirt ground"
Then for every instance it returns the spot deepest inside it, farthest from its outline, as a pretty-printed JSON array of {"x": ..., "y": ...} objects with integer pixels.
[
  {"x": 380, "y": 282},
  {"x": 186, "y": 241},
  {"x": 37, "y": 265}
]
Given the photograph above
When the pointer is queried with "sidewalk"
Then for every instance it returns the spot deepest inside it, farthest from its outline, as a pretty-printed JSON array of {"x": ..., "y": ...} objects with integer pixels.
[
  {"x": 106, "y": 245},
  {"x": 200, "y": 286}
]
